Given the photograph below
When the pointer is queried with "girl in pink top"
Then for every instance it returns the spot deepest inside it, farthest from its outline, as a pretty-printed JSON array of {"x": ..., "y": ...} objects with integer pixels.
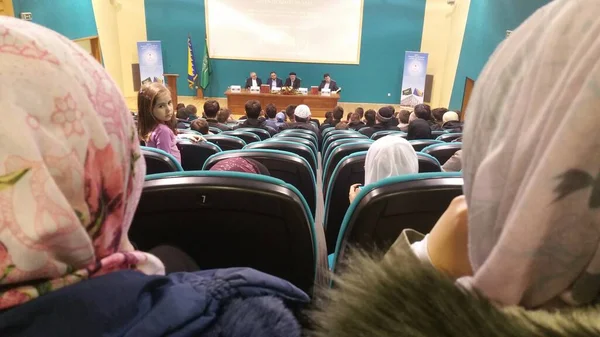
[{"x": 156, "y": 119}]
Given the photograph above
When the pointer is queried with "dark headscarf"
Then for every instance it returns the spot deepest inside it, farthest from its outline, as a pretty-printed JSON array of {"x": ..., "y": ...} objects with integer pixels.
[
  {"x": 419, "y": 129},
  {"x": 244, "y": 165}
]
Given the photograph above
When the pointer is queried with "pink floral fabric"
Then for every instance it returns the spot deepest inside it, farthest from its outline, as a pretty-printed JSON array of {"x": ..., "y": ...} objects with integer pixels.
[{"x": 70, "y": 167}]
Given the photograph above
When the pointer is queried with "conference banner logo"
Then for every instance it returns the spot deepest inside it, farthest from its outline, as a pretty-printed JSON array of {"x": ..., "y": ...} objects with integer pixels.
[
  {"x": 413, "y": 80},
  {"x": 151, "y": 62}
]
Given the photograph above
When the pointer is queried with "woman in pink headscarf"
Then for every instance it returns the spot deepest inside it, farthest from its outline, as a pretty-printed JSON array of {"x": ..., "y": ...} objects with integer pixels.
[{"x": 71, "y": 175}]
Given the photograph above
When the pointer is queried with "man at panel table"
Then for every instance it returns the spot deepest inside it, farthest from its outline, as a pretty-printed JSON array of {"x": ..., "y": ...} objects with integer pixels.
[
  {"x": 292, "y": 81},
  {"x": 328, "y": 83},
  {"x": 274, "y": 81},
  {"x": 253, "y": 81}
]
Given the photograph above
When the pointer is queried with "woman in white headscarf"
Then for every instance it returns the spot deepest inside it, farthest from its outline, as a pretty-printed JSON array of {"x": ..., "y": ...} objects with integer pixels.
[
  {"x": 529, "y": 242},
  {"x": 388, "y": 156}
]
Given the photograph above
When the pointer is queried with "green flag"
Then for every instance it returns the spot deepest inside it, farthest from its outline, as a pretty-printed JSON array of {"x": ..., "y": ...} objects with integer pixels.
[{"x": 206, "y": 71}]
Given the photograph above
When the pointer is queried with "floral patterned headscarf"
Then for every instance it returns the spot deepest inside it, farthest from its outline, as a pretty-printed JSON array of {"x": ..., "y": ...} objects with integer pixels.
[{"x": 70, "y": 167}]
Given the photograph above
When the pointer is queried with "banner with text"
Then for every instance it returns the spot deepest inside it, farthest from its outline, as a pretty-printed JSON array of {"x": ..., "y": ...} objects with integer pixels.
[
  {"x": 413, "y": 80},
  {"x": 151, "y": 62}
]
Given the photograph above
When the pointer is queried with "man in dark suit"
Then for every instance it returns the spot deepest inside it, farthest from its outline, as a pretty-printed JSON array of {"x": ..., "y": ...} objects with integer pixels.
[
  {"x": 292, "y": 81},
  {"x": 252, "y": 81},
  {"x": 274, "y": 81},
  {"x": 328, "y": 83}
]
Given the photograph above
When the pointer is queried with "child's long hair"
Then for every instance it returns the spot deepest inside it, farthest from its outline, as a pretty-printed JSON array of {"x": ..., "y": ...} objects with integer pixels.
[{"x": 146, "y": 99}]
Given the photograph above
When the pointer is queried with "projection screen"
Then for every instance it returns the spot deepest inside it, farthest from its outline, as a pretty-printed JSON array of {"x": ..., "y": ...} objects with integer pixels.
[{"x": 312, "y": 31}]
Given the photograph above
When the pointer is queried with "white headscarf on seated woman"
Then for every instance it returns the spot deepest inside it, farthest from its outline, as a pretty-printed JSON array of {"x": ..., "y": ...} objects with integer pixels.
[
  {"x": 532, "y": 178},
  {"x": 390, "y": 156},
  {"x": 71, "y": 172}
]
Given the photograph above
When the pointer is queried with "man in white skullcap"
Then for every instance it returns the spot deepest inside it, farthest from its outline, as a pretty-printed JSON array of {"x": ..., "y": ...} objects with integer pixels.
[{"x": 302, "y": 115}]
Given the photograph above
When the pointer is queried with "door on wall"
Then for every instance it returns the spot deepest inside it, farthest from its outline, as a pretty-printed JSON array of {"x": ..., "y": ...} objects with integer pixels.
[
  {"x": 91, "y": 45},
  {"x": 469, "y": 84},
  {"x": 6, "y": 8}
]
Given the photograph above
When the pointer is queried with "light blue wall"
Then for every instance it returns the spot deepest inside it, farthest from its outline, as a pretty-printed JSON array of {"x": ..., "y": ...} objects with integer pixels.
[
  {"x": 487, "y": 24},
  {"x": 72, "y": 18},
  {"x": 390, "y": 27}
]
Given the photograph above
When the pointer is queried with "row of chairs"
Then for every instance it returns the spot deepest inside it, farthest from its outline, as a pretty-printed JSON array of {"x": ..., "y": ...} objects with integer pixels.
[{"x": 231, "y": 219}]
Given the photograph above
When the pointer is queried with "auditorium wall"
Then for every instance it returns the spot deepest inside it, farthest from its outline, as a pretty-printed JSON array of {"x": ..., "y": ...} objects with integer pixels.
[
  {"x": 443, "y": 32},
  {"x": 486, "y": 28},
  {"x": 389, "y": 28},
  {"x": 72, "y": 18}
]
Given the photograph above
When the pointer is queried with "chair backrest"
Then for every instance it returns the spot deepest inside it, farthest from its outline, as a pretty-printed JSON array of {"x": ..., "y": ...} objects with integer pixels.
[
  {"x": 380, "y": 134},
  {"x": 382, "y": 210},
  {"x": 282, "y": 145},
  {"x": 214, "y": 130},
  {"x": 428, "y": 163},
  {"x": 308, "y": 136},
  {"x": 226, "y": 142},
  {"x": 159, "y": 161},
  {"x": 442, "y": 152},
  {"x": 316, "y": 123},
  {"x": 449, "y": 137},
  {"x": 420, "y": 144},
  {"x": 308, "y": 132},
  {"x": 327, "y": 130},
  {"x": 325, "y": 153},
  {"x": 349, "y": 171},
  {"x": 263, "y": 134},
  {"x": 189, "y": 131},
  {"x": 338, "y": 132},
  {"x": 289, "y": 167},
  {"x": 438, "y": 133},
  {"x": 232, "y": 219},
  {"x": 333, "y": 138},
  {"x": 193, "y": 155},
  {"x": 337, "y": 155},
  {"x": 246, "y": 136},
  {"x": 292, "y": 138}
]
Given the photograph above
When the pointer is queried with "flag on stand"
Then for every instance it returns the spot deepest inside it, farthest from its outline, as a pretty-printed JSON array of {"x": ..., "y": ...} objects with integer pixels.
[
  {"x": 192, "y": 73},
  {"x": 206, "y": 70}
]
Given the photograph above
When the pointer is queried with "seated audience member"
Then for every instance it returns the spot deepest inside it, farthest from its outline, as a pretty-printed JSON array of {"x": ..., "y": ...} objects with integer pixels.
[
  {"x": 417, "y": 130},
  {"x": 253, "y": 81},
  {"x": 348, "y": 115},
  {"x": 211, "y": 109},
  {"x": 328, "y": 83},
  {"x": 281, "y": 118},
  {"x": 182, "y": 116},
  {"x": 423, "y": 111},
  {"x": 180, "y": 106},
  {"x": 383, "y": 122},
  {"x": 370, "y": 117},
  {"x": 69, "y": 194},
  {"x": 245, "y": 165},
  {"x": 200, "y": 125},
  {"x": 341, "y": 126},
  {"x": 403, "y": 119},
  {"x": 224, "y": 116},
  {"x": 388, "y": 156},
  {"x": 289, "y": 112},
  {"x": 438, "y": 115},
  {"x": 451, "y": 122},
  {"x": 530, "y": 210},
  {"x": 394, "y": 121},
  {"x": 338, "y": 114},
  {"x": 361, "y": 113},
  {"x": 355, "y": 122},
  {"x": 292, "y": 81},
  {"x": 271, "y": 112},
  {"x": 192, "y": 112},
  {"x": 454, "y": 164},
  {"x": 274, "y": 81},
  {"x": 253, "y": 110},
  {"x": 327, "y": 122},
  {"x": 156, "y": 119},
  {"x": 302, "y": 119}
]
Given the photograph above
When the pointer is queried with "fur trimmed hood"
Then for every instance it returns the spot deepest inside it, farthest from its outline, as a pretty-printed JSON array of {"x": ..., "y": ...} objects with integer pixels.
[{"x": 402, "y": 297}]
